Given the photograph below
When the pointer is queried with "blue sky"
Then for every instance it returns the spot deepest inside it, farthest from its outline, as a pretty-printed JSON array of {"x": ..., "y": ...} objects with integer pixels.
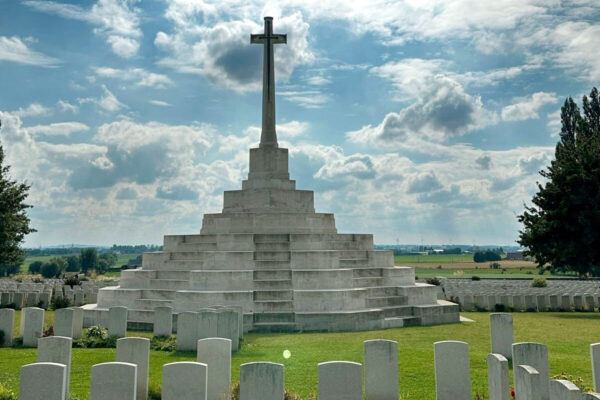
[{"x": 413, "y": 120}]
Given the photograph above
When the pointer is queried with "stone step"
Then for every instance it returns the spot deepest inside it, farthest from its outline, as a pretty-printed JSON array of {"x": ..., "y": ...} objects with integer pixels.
[
  {"x": 367, "y": 282},
  {"x": 273, "y": 306},
  {"x": 383, "y": 291},
  {"x": 272, "y": 246},
  {"x": 273, "y": 295},
  {"x": 386, "y": 301},
  {"x": 158, "y": 294},
  {"x": 265, "y": 238},
  {"x": 151, "y": 304},
  {"x": 274, "y": 317},
  {"x": 267, "y": 327},
  {"x": 269, "y": 274},
  {"x": 273, "y": 284},
  {"x": 353, "y": 262},
  {"x": 353, "y": 254},
  {"x": 271, "y": 264},
  {"x": 204, "y": 246},
  {"x": 399, "y": 322},
  {"x": 178, "y": 275},
  {"x": 367, "y": 272},
  {"x": 397, "y": 311},
  {"x": 200, "y": 238},
  {"x": 272, "y": 255},
  {"x": 169, "y": 284}
]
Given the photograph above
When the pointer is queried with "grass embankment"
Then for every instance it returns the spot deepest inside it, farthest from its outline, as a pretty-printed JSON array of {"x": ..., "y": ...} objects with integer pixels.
[{"x": 568, "y": 336}]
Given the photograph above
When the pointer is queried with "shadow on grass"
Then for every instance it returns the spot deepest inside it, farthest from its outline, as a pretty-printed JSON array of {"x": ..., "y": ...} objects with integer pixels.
[{"x": 578, "y": 315}]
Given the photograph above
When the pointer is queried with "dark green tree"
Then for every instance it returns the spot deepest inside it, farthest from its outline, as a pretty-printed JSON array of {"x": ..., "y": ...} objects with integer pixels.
[
  {"x": 35, "y": 267},
  {"x": 73, "y": 263},
  {"x": 88, "y": 259},
  {"x": 561, "y": 229},
  {"x": 14, "y": 222}
]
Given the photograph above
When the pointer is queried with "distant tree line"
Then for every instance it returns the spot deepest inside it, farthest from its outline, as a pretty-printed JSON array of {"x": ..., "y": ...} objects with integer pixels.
[
  {"x": 488, "y": 255},
  {"x": 86, "y": 261},
  {"x": 65, "y": 251},
  {"x": 140, "y": 248}
]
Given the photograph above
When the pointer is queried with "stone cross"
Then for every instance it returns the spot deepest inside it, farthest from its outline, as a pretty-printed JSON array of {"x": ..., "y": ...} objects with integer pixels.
[{"x": 268, "y": 136}]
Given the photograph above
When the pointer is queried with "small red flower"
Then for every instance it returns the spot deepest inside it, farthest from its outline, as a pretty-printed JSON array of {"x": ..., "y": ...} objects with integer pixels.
[{"x": 512, "y": 393}]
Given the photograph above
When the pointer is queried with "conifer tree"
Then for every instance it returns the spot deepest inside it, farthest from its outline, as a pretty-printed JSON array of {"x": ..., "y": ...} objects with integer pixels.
[
  {"x": 14, "y": 222},
  {"x": 562, "y": 228}
]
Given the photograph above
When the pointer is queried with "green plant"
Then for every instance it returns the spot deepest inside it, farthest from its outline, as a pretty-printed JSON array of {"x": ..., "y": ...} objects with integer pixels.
[
  {"x": 6, "y": 394},
  {"x": 577, "y": 382},
  {"x": 494, "y": 265},
  {"x": 539, "y": 282},
  {"x": 499, "y": 307},
  {"x": 475, "y": 278},
  {"x": 433, "y": 281},
  {"x": 60, "y": 302},
  {"x": 163, "y": 343},
  {"x": 154, "y": 391},
  {"x": 96, "y": 337},
  {"x": 48, "y": 332},
  {"x": 9, "y": 305},
  {"x": 235, "y": 392}
]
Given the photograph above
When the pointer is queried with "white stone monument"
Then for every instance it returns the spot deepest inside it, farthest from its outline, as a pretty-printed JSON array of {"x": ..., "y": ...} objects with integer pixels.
[
  {"x": 136, "y": 351},
  {"x": 33, "y": 325},
  {"x": 534, "y": 355},
  {"x": 498, "y": 378},
  {"x": 57, "y": 349},
  {"x": 184, "y": 380},
  {"x": 64, "y": 322},
  {"x": 340, "y": 380},
  {"x": 381, "y": 369},
  {"x": 452, "y": 370},
  {"x": 163, "y": 321},
  {"x": 271, "y": 254},
  {"x": 113, "y": 381},
  {"x": 43, "y": 380},
  {"x": 261, "y": 381},
  {"x": 117, "y": 321},
  {"x": 502, "y": 333},
  {"x": 216, "y": 353},
  {"x": 527, "y": 383},
  {"x": 564, "y": 390}
]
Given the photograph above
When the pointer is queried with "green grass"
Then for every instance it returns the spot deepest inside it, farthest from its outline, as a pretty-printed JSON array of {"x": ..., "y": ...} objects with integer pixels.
[
  {"x": 568, "y": 336},
  {"x": 433, "y": 258},
  {"x": 484, "y": 272}
]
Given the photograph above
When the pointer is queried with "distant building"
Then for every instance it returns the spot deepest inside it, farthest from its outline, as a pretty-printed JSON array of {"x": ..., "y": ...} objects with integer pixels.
[{"x": 515, "y": 256}]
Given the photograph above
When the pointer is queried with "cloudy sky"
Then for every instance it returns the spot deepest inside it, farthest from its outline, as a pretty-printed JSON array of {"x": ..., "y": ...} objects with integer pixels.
[{"x": 416, "y": 120}]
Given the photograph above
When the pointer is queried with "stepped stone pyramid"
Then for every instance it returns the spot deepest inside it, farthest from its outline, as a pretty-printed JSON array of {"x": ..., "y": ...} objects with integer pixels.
[{"x": 271, "y": 254}]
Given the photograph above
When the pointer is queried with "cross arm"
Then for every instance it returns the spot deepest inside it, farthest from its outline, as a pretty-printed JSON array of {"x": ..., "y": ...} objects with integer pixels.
[
  {"x": 279, "y": 38},
  {"x": 257, "y": 39}
]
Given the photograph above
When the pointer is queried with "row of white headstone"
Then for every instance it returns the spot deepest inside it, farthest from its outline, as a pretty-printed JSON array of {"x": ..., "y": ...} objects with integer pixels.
[
  {"x": 68, "y": 322},
  {"x": 538, "y": 302},
  {"x": 207, "y": 379},
  {"x": 37, "y": 294}
]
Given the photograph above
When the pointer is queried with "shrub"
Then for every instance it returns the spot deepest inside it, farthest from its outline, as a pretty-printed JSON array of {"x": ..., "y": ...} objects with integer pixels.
[
  {"x": 60, "y": 302},
  {"x": 35, "y": 267},
  {"x": 438, "y": 267},
  {"x": 96, "y": 337},
  {"x": 48, "y": 332},
  {"x": 475, "y": 278},
  {"x": 163, "y": 343},
  {"x": 6, "y": 394},
  {"x": 433, "y": 281},
  {"x": 1, "y": 337},
  {"x": 499, "y": 307},
  {"x": 9, "y": 305},
  {"x": 50, "y": 270},
  {"x": 539, "y": 282},
  {"x": 459, "y": 272},
  {"x": 494, "y": 265},
  {"x": 72, "y": 281}
]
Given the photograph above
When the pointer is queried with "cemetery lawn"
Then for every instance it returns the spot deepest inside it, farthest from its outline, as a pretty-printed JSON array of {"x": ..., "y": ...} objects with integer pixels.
[{"x": 568, "y": 336}]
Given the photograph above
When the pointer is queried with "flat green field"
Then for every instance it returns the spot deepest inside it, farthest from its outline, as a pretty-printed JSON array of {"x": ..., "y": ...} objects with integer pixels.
[
  {"x": 484, "y": 272},
  {"x": 432, "y": 258},
  {"x": 568, "y": 336}
]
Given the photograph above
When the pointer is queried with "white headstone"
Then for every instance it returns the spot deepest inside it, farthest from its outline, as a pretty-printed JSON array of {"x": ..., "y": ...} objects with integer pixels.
[
  {"x": 136, "y": 351},
  {"x": 595, "y": 354},
  {"x": 589, "y": 302},
  {"x": 553, "y": 302},
  {"x": 117, "y": 321},
  {"x": 536, "y": 356},
  {"x": 227, "y": 327},
  {"x": 45, "y": 299},
  {"x": 184, "y": 380},
  {"x": 187, "y": 331},
  {"x": 64, "y": 320},
  {"x": 78, "y": 322},
  {"x": 498, "y": 378},
  {"x": 502, "y": 333},
  {"x": 542, "y": 303},
  {"x": 207, "y": 324},
  {"x": 216, "y": 353},
  {"x": 57, "y": 349},
  {"x": 44, "y": 380},
  {"x": 530, "y": 303},
  {"x": 163, "y": 321},
  {"x": 113, "y": 381},
  {"x": 381, "y": 369},
  {"x": 33, "y": 325},
  {"x": 565, "y": 302},
  {"x": 517, "y": 301},
  {"x": 527, "y": 383},
  {"x": 590, "y": 396},
  {"x": 7, "y": 323},
  {"x": 18, "y": 300},
  {"x": 564, "y": 390},
  {"x": 452, "y": 370},
  {"x": 5, "y": 298},
  {"x": 340, "y": 380},
  {"x": 261, "y": 381},
  {"x": 32, "y": 299}
]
